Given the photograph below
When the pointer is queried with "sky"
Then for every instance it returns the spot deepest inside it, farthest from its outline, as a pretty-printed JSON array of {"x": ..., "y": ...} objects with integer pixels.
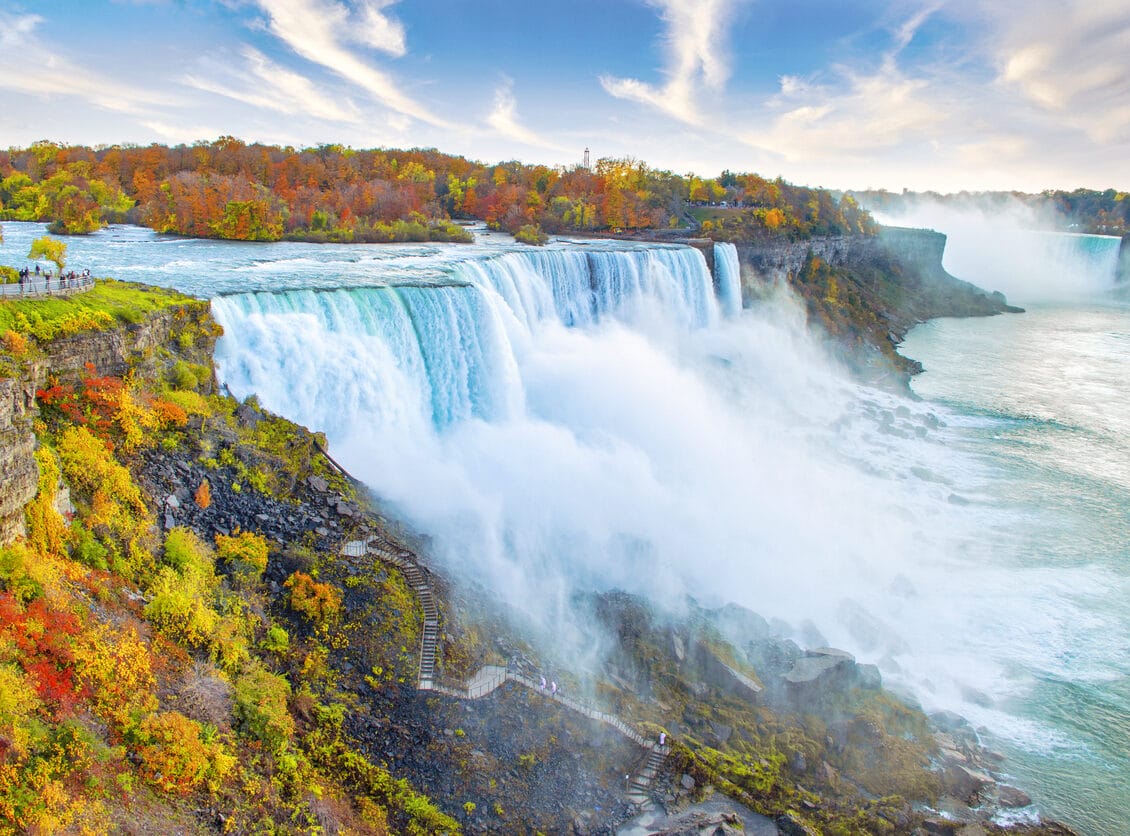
[{"x": 940, "y": 95}]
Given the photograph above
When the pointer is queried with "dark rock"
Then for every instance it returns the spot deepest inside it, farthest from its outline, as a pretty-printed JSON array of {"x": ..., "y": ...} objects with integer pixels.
[
  {"x": 965, "y": 784},
  {"x": 721, "y": 731},
  {"x": 248, "y": 415},
  {"x": 789, "y": 825},
  {"x": 940, "y": 827},
  {"x": 1011, "y": 797}
]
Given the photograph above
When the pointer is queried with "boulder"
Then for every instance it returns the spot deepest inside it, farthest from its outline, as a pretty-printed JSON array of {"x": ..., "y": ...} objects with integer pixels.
[
  {"x": 789, "y": 825},
  {"x": 1011, "y": 797},
  {"x": 964, "y": 783}
]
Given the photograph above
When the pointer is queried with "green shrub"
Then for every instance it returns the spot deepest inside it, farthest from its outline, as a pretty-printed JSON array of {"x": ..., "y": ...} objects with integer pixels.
[
  {"x": 245, "y": 552},
  {"x": 531, "y": 234},
  {"x": 88, "y": 549},
  {"x": 186, "y": 552},
  {"x": 261, "y": 707}
]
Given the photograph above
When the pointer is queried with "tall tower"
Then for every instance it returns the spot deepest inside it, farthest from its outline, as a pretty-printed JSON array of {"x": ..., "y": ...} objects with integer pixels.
[{"x": 587, "y": 164}]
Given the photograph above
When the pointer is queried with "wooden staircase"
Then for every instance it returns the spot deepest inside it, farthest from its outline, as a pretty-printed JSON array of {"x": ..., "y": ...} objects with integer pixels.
[{"x": 490, "y": 677}]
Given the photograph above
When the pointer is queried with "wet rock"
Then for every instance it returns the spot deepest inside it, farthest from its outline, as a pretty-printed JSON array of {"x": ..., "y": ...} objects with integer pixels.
[
  {"x": 940, "y": 827},
  {"x": 789, "y": 825},
  {"x": 869, "y": 677},
  {"x": 1011, "y": 797},
  {"x": 678, "y": 647},
  {"x": 721, "y": 731},
  {"x": 818, "y": 670},
  {"x": 965, "y": 784}
]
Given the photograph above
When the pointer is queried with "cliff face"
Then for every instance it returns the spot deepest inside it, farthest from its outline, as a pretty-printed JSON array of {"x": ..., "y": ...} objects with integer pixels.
[
  {"x": 159, "y": 339},
  {"x": 868, "y": 291}
]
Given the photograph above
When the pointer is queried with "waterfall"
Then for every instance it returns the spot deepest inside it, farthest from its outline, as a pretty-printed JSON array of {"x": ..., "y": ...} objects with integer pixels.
[
  {"x": 1030, "y": 266},
  {"x": 729, "y": 277},
  {"x": 441, "y": 353}
]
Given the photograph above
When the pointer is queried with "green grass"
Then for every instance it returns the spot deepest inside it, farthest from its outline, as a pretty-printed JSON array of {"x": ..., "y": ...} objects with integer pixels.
[
  {"x": 714, "y": 213},
  {"x": 124, "y": 301}
]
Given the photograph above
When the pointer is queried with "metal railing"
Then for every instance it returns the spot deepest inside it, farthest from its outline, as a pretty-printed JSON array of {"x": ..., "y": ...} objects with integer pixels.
[
  {"x": 488, "y": 678},
  {"x": 42, "y": 286}
]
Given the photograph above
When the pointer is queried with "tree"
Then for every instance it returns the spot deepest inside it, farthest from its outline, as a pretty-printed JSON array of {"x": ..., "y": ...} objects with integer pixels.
[{"x": 49, "y": 249}]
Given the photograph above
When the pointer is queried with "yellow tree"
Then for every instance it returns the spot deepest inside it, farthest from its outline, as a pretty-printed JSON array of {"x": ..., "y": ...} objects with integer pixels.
[{"x": 49, "y": 249}]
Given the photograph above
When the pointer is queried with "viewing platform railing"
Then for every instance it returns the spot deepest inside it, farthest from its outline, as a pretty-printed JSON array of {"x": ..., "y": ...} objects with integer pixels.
[{"x": 40, "y": 286}]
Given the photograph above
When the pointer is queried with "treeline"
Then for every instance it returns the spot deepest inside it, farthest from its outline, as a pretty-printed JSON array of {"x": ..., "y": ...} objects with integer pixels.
[
  {"x": 234, "y": 190},
  {"x": 752, "y": 208},
  {"x": 1082, "y": 210}
]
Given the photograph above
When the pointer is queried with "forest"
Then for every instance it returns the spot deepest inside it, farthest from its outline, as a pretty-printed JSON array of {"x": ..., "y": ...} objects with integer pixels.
[
  {"x": 251, "y": 192},
  {"x": 1104, "y": 212}
]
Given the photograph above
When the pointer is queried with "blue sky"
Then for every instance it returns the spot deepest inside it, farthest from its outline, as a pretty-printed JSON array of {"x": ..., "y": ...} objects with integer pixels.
[{"x": 921, "y": 94}]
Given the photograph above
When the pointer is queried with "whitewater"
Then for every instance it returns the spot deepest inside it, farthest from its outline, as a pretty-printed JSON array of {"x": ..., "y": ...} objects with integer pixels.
[{"x": 600, "y": 415}]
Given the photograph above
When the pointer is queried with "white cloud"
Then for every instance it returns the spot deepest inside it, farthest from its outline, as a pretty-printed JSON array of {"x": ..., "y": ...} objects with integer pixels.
[
  {"x": 1068, "y": 58},
  {"x": 504, "y": 119},
  {"x": 696, "y": 58},
  {"x": 182, "y": 134},
  {"x": 863, "y": 114},
  {"x": 858, "y": 113},
  {"x": 320, "y": 31},
  {"x": 379, "y": 31},
  {"x": 45, "y": 72},
  {"x": 264, "y": 83}
]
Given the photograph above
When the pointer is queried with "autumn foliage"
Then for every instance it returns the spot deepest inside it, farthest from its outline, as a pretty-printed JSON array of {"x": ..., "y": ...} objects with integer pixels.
[{"x": 230, "y": 189}]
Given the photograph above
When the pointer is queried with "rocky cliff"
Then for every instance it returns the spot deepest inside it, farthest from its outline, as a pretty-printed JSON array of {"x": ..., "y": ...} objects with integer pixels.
[
  {"x": 184, "y": 332},
  {"x": 866, "y": 292}
]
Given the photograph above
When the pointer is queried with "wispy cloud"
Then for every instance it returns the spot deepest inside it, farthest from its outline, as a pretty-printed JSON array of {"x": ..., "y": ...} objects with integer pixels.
[
  {"x": 505, "y": 120},
  {"x": 696, "y": 58},
  {"x": 264, "y": 83},
  {"x": 1068, "y": 58},
  {"x": 50, "y": 74},
  {"x": 862, "y": 114},
  {"x": 857, "y": 112},
  {"x": 321, "y": 31},
  {"x": 180, "y": 133}
]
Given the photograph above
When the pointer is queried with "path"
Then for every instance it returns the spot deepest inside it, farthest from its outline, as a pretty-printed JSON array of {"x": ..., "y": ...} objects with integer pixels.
[{"x": 490, "y": 677}]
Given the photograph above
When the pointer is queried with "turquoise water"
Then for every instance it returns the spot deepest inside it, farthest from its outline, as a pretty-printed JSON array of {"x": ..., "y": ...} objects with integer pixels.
[
  {"x": 1048, "y": 405},
  {"x": 587, "y": 416}
]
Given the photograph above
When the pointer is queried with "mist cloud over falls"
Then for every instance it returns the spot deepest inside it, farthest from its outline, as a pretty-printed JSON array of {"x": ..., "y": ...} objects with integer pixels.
[
  {"x": 1015, "y": 249},
  {"x": 585, "y": 422}
]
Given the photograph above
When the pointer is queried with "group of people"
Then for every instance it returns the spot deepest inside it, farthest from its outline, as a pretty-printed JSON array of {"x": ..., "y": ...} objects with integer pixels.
[
  {"x": 552, "y": 688},
  {"x": 65, "y": 280}
]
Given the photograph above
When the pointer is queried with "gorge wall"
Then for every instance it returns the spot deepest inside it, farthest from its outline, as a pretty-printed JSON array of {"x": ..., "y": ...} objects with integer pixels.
[
  {"x": 184, "y": 331},
  {"x": 866, "y": 292}
]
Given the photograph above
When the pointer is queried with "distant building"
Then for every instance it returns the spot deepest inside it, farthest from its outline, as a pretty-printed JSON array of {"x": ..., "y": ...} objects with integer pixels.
[{"x": 587, "y": 164}]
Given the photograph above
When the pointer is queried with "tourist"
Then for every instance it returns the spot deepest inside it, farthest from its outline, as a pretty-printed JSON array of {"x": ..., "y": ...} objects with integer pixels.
[
  {"x": 662, "y": 738},
  {"x": 553, "y": 688},
  {"x": 542, "y": 686}
]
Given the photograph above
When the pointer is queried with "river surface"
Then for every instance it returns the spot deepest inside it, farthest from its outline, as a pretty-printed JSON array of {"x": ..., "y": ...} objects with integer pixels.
[
  {"x": 1045, "y": 404},
  {"x": 591, "y": 416}
]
